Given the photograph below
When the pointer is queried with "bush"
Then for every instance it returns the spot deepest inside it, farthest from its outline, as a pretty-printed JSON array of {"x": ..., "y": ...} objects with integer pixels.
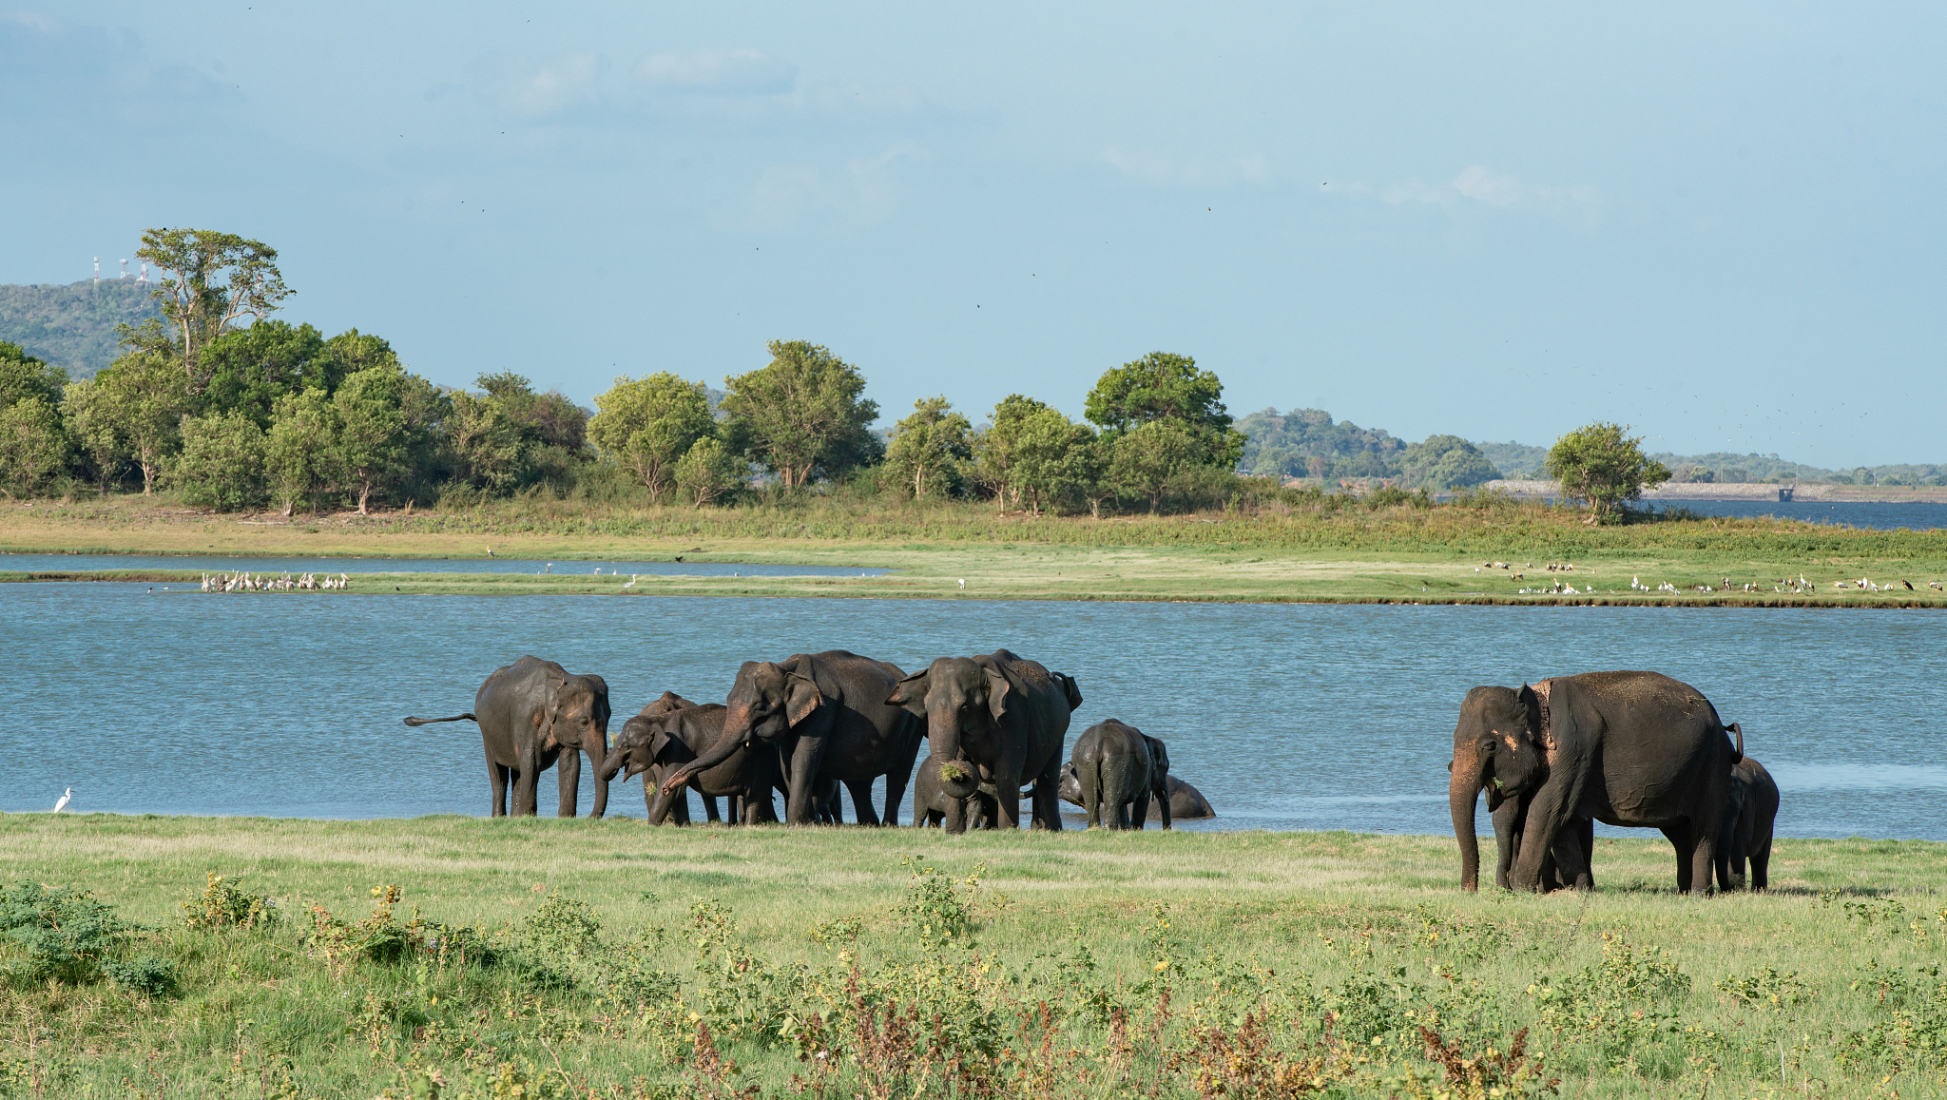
[
  {"x": 56, "y": 934},
  {"x": 222, "y": 905},
  {"x": 33, "y": 446}
]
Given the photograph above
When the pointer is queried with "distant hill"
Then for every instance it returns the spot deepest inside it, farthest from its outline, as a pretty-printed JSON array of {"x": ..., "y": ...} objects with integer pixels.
[{"x": 73, "y": 325}]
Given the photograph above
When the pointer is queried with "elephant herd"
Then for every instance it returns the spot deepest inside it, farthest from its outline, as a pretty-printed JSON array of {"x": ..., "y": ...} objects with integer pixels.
[
  {"x": 808, "y": 725},
  {"x": 1633, "y": 749}
]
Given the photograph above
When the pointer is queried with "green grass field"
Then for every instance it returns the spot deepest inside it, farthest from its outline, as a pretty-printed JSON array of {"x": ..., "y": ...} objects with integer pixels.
[
  {"x": 1334, "y": 552},
  {"x": 595, "y": 959}
]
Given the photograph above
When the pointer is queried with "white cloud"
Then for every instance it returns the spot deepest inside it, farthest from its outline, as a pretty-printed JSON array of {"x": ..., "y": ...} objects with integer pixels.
[
  {"x": 1481, "y": 185},
  {"x": 1169, "y": 172},
  {"x": 733, "y": 72},
  {"x": 519, "y": 86}
]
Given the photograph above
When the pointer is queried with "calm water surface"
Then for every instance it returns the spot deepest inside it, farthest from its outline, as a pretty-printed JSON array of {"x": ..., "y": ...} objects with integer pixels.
[
  {"x": 1287, "y": 717},
  {"x": 70, "y": 563},
  {"x": 1881, "y": 515}
]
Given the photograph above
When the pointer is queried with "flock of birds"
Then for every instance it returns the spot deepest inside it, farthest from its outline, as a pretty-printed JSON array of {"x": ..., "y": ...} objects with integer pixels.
[
  {"x": 1795, "y": 585},
  {"x": 249, "y": 582}
]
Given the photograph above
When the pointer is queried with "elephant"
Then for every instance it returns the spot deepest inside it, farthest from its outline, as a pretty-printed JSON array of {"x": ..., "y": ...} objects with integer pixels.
[
  {"x": 1752, "y": 812},
  {"x": 1633, "y": 749},
  {"x": 1509, "y": 818},
  {"x": 1159, "y": 786},
  {"x": 931, "y": 803},
  {"x": 1186, "y": 802},
  {"x": 1117, "y": 768},
  {"x": 531, "y": 713},
  {"x": 1000, "y": 720},
  {"x": 667, "y": 735},
  {"x": 828, "y": 716}
]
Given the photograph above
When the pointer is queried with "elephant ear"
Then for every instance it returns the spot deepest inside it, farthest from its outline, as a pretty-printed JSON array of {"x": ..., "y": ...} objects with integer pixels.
[
  {"x": 911, "y": 694},
  {"x": 554, "y": 680},
  {"x": 1536, "y": 710},
  {"x": 1158, "y": 754},
  {"x": 602, "y": 712},
  {"x": 1069, "y": 689},
  {"x": 802, "y": 697},
  {"x": 998, "y": 690}
]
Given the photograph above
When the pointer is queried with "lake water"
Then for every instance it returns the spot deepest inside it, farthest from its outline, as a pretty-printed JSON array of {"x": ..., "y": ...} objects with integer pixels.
[
  {"x": 1880, "y": 515},
  {"x": 1286, "y": 716},
  {"x": 70, "y": 563}
]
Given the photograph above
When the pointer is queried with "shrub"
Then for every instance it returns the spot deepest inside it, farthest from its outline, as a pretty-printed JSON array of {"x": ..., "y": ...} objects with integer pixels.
[
  {"x": 59, "y": 934},
  {"x": 222, "y": 462},
  {"x": 222, "y": 905}
]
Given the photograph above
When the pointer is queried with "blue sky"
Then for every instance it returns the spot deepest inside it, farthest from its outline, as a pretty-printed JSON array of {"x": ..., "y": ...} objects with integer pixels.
[{"x": 1720, "y": 224}]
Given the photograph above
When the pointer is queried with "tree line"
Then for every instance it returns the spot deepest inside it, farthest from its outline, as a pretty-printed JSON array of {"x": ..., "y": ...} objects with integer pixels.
[{"x": 239, "y": 416}]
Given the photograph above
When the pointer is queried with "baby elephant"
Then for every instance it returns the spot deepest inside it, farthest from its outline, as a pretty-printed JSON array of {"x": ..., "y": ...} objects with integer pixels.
[
  {"x": 1119, "y": 770},
  {"x": 931, "y": 802},
  {"x": 1747, "y": 827}
]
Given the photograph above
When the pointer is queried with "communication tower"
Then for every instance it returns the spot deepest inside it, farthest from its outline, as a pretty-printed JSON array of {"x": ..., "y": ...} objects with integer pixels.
[
  {"x": 97, "y": 270},
  {"x": 124, "y": 269}
]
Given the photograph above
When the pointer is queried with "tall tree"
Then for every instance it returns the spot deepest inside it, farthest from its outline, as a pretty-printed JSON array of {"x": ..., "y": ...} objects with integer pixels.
[
  {"x": 222, "y": 462},
  {"x": 488, "y": 445},
  {"x": 95, "y": 430},
  {"x": 301, "y": 448},
  {"x": 1446, "y": 462},
  {"x": 142, "y": 398},
  {"x": 1031, "y": 453},
  {"x": 1603, "y": 465},
  {"x": 709, "y": 472},
  {"x": 650, "y": 424},
  {"x": 1143, "y": 459},
  {"x": 1165, "y": 386},
  {"x": 210, "y": 279},
  {"x": 249, "y": 368},
  {"x": 930, "y": 448},
  {"x": 375, "y": 431},
  {"x": 803, "y": 415}
]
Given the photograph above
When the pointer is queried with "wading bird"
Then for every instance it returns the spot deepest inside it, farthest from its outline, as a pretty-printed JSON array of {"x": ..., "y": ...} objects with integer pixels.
[{"x": 66, "y": 797}]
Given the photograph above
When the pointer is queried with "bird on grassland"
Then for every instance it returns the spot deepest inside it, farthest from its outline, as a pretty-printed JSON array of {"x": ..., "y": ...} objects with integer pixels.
[
  {"x": 66, "y": 797},
  {"x": 632, "y": 579},
  {"x": 963, "y": 583}
]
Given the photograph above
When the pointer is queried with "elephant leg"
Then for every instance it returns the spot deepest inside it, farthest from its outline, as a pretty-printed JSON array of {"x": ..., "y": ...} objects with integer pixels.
[
  {"x": 1585, "y": 878},
  {"x": 679, "y": 809},
  {"x": 1546, "y": 816},
  {"x": 526, "y": 796},
  {"x": 1507, "y": 831},
  {"x": 1046, "y": 799},
  {"x": 1761, "y": 866},
  {"x": 930, "y": 819},
  {"x": 862, "y": 801},
  {"x": 955, "y": 819},
  {"x": 568, "y": 765},
  {"x": 1679, "y": 836},
  {"x": 1139, "y": 812},
  {"x": 896, "y": 781},
  {"x": 709, "y": 807},
  {"x": 497, "y": 779},
  {"x": 1090, "y": 775},
  {"x": 1570, "y": 861}
]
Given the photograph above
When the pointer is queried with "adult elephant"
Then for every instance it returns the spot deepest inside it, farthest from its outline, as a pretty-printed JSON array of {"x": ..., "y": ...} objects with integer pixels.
[
  {"x": 999, "y": 720},
  {"x": 668, "y": 734},
  {"x": 828, "y": 717},
  {"x": 1634, "y": 749},
  {"x": 531, "y": 714}
]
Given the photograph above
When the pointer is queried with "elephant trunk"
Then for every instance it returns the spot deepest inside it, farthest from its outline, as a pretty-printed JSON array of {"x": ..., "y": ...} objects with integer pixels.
[
  {"x": 959, "y": 778},
  {"x": 1462, "y": 789},
  {"x": 597, "y": 749},
  {"x": 736, "y": 729},
  {"x": 612, "y": 764}
]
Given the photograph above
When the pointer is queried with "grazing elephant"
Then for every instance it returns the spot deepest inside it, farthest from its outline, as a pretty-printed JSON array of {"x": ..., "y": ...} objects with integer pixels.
[
  {"x": 1186, "y": 802},
  {"x": 999, "y": 720},
  {"x": 1747, "y": 827},
  {"x": 531, "y": 713},
  {"x": 1634, "y": 749},
  {"x": 931, "y": 804},
  {"x": 668, "y": 734},
  {"x": 828, "y": 717}
]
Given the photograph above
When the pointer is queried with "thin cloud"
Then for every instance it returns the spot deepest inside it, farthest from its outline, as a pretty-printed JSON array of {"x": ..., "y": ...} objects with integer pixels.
[
  {"x": 520, "y": 86},
  {"x": 1480, "y": 184},
  {"x": 714, "y": 72}
]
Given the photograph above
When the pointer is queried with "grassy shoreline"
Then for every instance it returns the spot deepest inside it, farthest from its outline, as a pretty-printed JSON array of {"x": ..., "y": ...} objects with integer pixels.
[
  {"x": 1075, "y": 965},
  {"x": 1340, "y": 551}
]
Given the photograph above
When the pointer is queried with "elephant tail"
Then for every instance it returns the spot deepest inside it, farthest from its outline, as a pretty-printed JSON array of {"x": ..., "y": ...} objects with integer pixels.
[
  {"x": 1738, "y": 756},
  {"x": 427, "y": 721}
]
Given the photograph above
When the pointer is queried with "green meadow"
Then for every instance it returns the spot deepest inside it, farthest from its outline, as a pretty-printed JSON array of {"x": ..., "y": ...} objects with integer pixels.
[{"x": 459, "y": 958}]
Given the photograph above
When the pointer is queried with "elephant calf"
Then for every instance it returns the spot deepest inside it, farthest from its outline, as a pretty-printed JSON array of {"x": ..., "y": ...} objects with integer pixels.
[
  {"x": 932, "y": 804},
  {"x": 669, "y": 734},
  {"x": 1747, "y": 827},
  {"x": 1186, "y": 802},
  {"x": 1119, "y": 770}
]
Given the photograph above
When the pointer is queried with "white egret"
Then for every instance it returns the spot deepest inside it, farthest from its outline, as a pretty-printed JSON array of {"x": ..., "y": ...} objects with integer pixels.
[
  {"x": 963, "y": 582},
  {"x": 66, "y": 797}
]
